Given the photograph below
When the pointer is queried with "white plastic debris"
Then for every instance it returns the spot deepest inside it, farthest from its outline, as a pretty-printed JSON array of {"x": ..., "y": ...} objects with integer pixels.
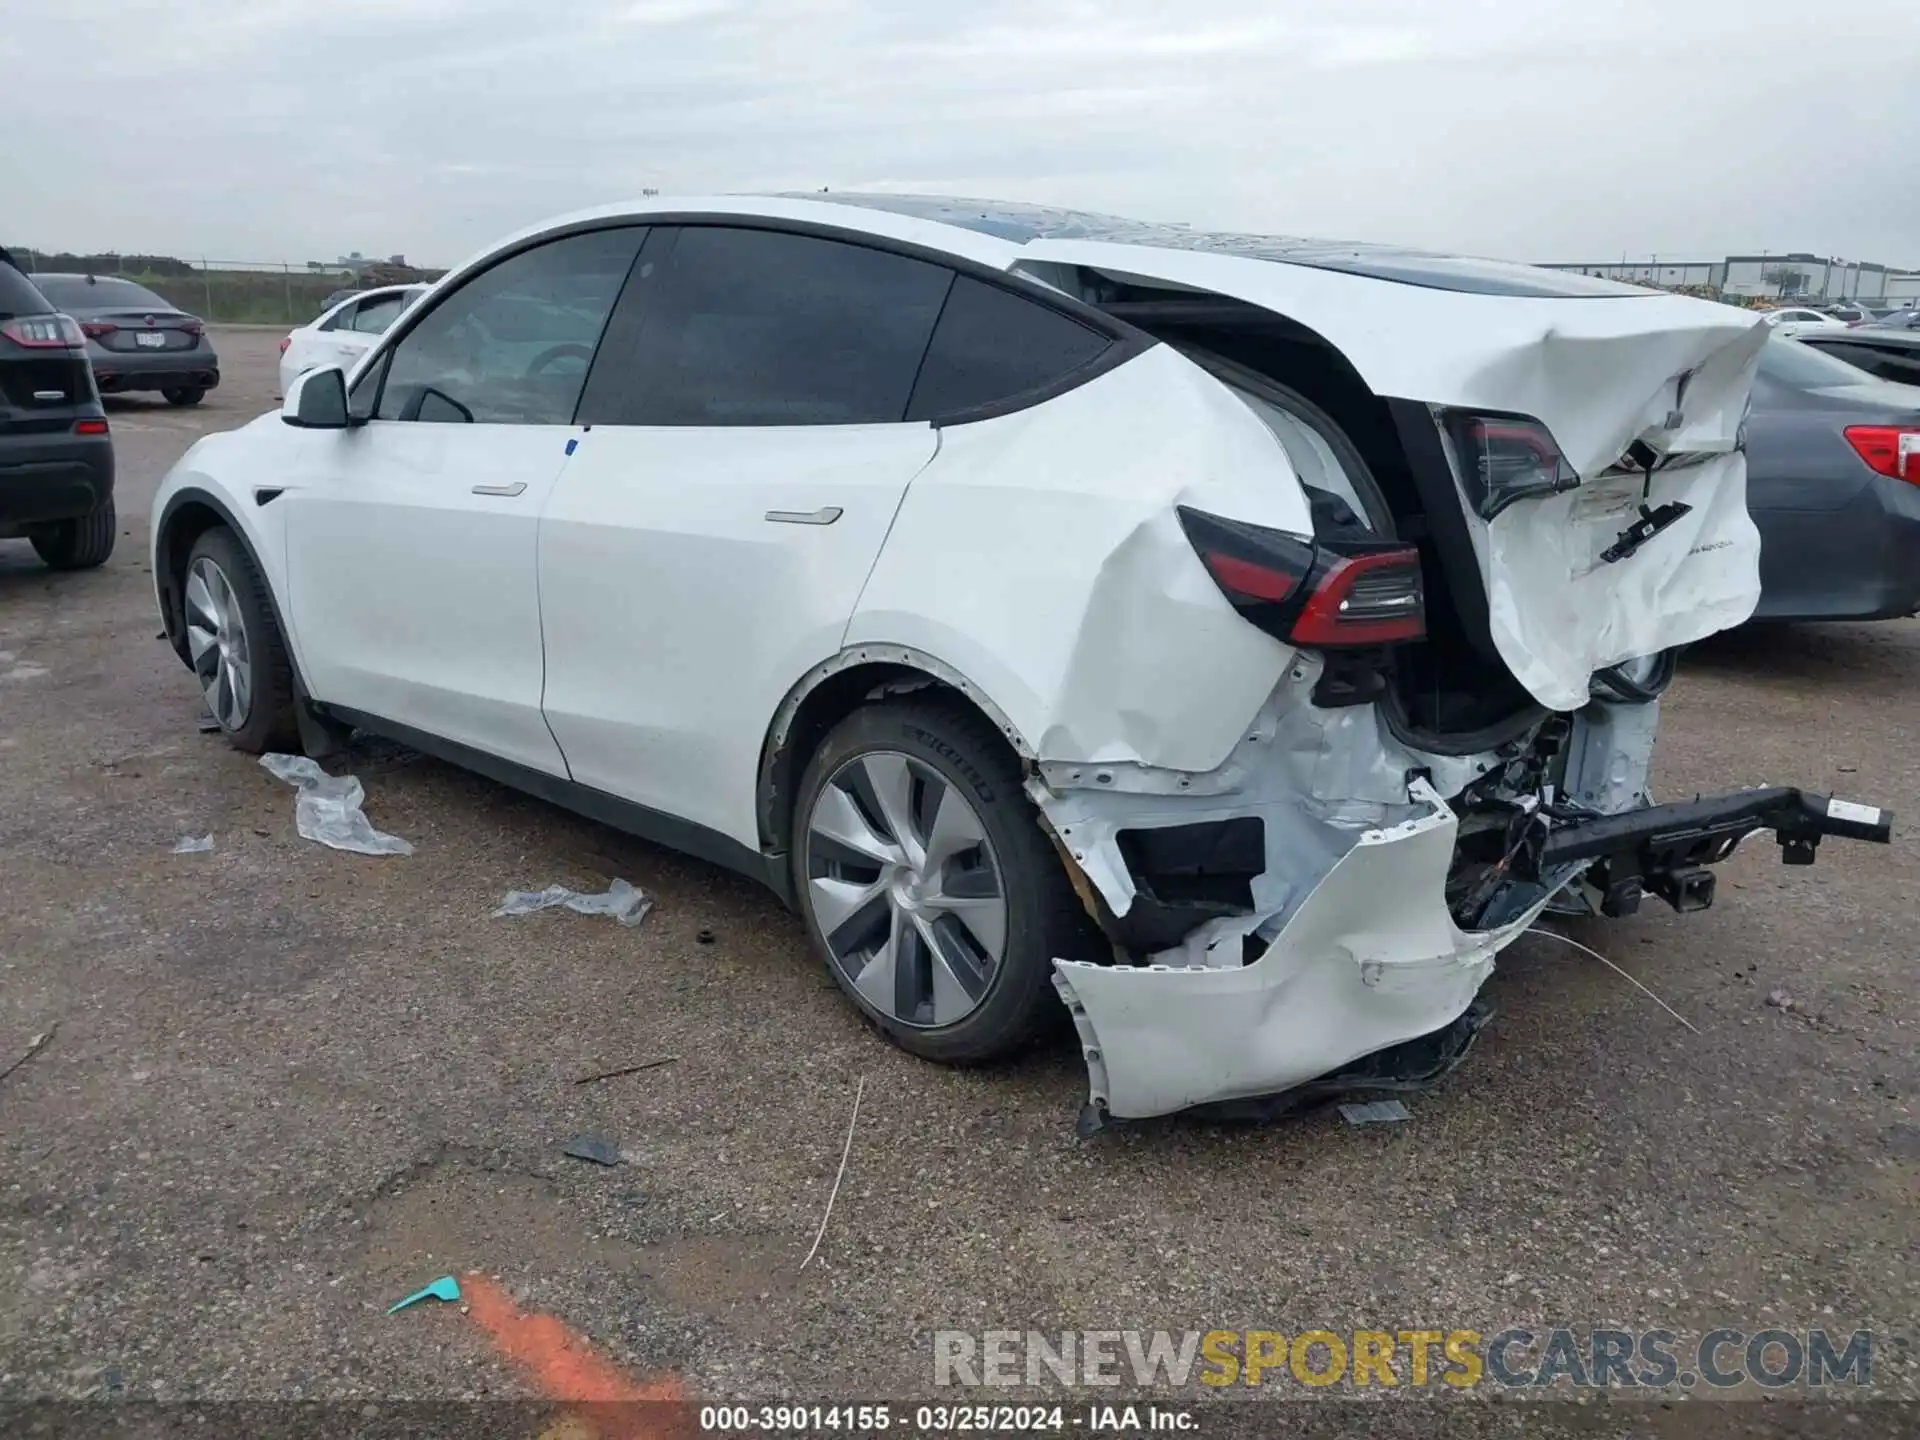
[
  {"x": 1378, "y": 1112},
  {"x": 189, "y": 845},
  {"x": 328, "y": 808},
  {"x": 624, "y": 902}
]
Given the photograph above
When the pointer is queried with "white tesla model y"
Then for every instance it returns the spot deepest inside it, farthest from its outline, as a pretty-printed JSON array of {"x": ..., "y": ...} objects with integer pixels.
[{"x": 1233, "y": 640}]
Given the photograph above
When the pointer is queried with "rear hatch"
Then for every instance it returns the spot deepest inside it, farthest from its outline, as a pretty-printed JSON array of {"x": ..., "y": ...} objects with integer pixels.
[
  {"x": 1543, "y": 400},
  {"x": 44, "y": 382}
]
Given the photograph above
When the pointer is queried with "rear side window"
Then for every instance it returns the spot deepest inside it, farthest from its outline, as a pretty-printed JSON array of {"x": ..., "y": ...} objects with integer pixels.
[
  {"x": 760, "y": 327},
  {"x": 76, "y": 292},
  {"x": 993, "y": 346},
  {"x": 18, "y": 296},
  {"x": 372, "y": 317}
]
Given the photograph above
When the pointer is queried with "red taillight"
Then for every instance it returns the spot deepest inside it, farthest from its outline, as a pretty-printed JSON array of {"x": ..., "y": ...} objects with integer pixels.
[
  {"x": 44, "y": 332},
  {"x": 1372, "y": 599},
  {"x": 1311, "y": 593},
  {"x": 1504, "y": 458},
  {"x": 284, "y": 343},
  {"x": 193, "y": 327},
  {"x": 89, "y": 427},
  {"x": 94, "y": 329},
  {"x": 1893, "y": 450}
]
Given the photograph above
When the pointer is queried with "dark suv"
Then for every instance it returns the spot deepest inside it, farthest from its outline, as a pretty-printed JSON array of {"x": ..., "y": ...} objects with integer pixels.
[{"x": 56, "y": 457}]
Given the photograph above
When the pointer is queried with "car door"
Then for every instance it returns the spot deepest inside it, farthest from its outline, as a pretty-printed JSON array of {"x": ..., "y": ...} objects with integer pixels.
[
  {"x": 411, "y": 536},
  {"x": 744, "y": 455}
]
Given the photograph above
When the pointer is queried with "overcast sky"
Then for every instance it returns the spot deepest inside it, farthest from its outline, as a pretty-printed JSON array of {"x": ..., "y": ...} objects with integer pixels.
[{"x": 1529, "y": 129}]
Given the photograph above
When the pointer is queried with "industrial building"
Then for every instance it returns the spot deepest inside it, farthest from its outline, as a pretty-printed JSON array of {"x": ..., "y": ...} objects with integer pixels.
[{"x": 1789, "y": 275}]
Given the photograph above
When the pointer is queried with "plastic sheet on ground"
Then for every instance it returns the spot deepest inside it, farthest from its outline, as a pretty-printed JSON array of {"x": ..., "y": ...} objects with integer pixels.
[
  {"x": 624, "y": 902},
  {"x": 327, "y": 808},
  {"x": 193, "y": 845}
]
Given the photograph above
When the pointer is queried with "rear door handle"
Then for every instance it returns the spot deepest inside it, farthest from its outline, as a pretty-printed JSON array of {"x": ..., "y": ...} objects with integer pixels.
[
  {"x": 516, "y": 488},
  {"x": 825, "y": 515}
]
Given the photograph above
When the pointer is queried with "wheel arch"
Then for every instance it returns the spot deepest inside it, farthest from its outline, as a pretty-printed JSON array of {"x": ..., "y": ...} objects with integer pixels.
[
  {"x": 189, "y": 513},
  {"x": 833, "y": 690}
]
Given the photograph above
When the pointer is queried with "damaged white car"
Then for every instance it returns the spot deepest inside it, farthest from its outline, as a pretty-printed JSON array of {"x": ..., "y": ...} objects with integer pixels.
[{"x": 1238, "y": 639}]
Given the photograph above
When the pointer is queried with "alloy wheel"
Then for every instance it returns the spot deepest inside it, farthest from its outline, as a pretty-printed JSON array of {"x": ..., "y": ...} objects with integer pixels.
[
  {"x": 217, "y": 644},
  {"x": 906, "y": 889}
]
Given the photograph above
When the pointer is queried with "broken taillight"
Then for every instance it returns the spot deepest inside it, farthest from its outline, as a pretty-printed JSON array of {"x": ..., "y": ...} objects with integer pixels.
[
  {"x": 1893, "y": 450},
  {"x": 1312, "y": 593},
  {"x": 1504, "y": 458}
]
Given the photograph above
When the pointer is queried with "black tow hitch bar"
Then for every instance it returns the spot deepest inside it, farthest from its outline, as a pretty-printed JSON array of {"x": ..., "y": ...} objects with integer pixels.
[{"x": 1665, "y": 849}]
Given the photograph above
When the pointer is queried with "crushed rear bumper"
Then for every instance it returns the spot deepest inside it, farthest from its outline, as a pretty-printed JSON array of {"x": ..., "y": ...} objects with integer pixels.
[{"x": 1372, "y": 957}]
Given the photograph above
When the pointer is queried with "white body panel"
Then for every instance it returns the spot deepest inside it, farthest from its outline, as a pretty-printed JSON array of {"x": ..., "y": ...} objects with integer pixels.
[
  {"x": 1092, "y": 625},
  {"x": 678, "y": 615},
  {"x": 415, "y": 598}
]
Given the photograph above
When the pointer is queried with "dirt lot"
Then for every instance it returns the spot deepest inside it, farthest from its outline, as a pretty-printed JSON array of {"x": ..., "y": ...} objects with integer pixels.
[{"x": 290, "y": 1085}]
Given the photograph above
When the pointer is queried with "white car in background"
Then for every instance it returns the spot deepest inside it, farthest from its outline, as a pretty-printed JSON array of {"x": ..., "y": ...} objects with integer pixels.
[
  {"x": 345, "y": 332},
  {"x": 1792, "y": 321},
  {"x": 1236, "y": 641}
]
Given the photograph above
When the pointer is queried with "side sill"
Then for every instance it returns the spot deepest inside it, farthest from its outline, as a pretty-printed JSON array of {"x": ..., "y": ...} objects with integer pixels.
[{"x": 610, "y": 810}]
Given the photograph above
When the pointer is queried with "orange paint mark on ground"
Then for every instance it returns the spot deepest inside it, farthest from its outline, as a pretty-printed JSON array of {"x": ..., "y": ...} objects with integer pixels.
[{"x": 565, "y": 1367}]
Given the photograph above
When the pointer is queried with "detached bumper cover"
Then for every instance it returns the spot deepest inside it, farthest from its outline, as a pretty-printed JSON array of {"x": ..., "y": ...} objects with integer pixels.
[
  {"x": 1347, "y": 976},
  {"x": 1372, "y": 957}
]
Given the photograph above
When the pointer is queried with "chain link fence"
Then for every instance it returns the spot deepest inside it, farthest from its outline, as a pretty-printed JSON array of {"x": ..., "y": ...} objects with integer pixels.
[{"x": 230, "y": 292}]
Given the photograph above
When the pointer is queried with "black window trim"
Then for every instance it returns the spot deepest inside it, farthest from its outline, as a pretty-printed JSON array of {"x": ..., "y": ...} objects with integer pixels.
[{"x": 1128, "y": 341}]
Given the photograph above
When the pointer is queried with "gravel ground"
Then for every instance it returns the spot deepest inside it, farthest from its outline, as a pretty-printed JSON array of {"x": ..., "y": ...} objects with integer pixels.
[{"x": 289, "y": 1085}]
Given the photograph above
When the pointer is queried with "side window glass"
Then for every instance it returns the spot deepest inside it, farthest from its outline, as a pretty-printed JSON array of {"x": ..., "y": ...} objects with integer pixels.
[
  {"x": 760, "y": 327},
  {"x": 341, "y": 319},
  {"x": 993, "y": 346},
  {"x": 513, "y": 344},
  {"x": 372, "y": 317}
]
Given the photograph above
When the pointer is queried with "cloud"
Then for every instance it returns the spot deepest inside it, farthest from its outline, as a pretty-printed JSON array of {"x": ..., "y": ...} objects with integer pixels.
[{"x": 300, "y": 130}]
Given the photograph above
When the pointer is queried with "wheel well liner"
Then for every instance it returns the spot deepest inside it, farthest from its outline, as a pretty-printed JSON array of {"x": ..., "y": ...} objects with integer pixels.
[{"x": 833, "y": 690}]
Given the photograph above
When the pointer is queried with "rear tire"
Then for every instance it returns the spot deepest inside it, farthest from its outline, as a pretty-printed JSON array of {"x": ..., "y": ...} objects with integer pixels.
[
  {"x": 78, "y": 544},
  {"x": 980, "y": 874},
  {"x": 235, "y": 647},
  {"x": 185, "y": 396}
]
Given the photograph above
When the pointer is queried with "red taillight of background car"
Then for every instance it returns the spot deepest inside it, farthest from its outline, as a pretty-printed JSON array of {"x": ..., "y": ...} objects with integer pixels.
[
  {"x": 1893, "y": 450},
  {"x": 89, "y": 427},
  {"x": 193, "y": 327},
  {"x": 95, "y": 329},
  {"x": 1309, "y": 592},
  {"x": 285, "y": 341},
  {"x": 44, "y": 332}
]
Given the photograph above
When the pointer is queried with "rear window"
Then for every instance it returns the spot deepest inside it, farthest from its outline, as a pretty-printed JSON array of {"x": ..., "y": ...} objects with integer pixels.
[
  {"x": 18, "y": 295},
  {"x": 993, "y": 346},
  {"x": 1801, "y": 367},
  {"x": 76, "y": 292}
]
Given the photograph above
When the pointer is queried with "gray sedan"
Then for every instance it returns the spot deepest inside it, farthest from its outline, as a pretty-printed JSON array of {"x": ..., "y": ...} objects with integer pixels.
[
  {"x": 1833, "y": 482},
  {"x": 135, "y": 339}
]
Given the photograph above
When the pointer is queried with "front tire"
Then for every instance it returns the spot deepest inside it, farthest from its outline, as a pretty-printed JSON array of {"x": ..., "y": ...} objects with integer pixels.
[
  {"x": 184, "y": 396},
  {"x": 78, "y": 544},
  {"x": 235, "y": 646},
  {"x": 928, "y": 885}
]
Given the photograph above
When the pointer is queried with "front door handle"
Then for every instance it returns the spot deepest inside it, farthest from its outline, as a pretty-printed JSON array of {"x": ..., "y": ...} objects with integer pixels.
[
  {"x": 825, "y": 515},
  {"x": 516, "y": 488}
]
